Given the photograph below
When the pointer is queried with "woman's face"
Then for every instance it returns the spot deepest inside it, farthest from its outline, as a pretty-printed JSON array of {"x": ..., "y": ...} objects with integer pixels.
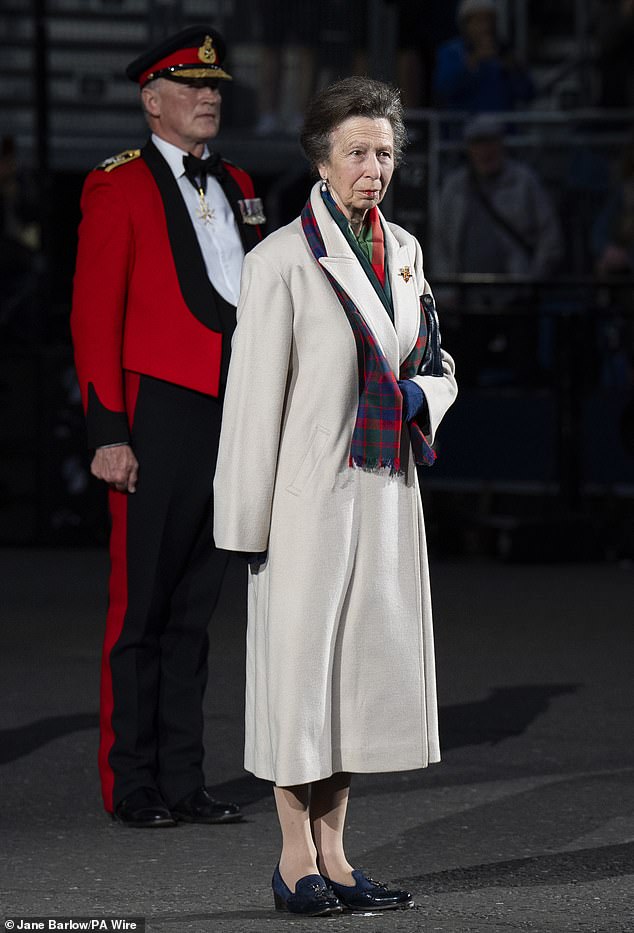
[{"x": 360, "y": 164}]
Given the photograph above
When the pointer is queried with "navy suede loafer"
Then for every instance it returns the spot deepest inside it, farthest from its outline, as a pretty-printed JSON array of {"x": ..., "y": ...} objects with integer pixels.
[
  {"x": 367, "y": 894},
  {"x": 312, "y": 898}
]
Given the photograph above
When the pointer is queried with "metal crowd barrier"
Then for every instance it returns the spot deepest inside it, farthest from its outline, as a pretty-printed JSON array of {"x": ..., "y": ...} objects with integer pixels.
[{"x": 570, "y": 353}]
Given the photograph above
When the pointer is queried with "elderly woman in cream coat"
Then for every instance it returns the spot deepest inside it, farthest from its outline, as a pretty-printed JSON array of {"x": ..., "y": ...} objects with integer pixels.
[{"x": 336, "y": 387}]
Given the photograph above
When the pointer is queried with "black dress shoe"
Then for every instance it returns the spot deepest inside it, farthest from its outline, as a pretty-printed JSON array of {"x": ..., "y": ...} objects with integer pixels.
[
  {"x": 200, "y": 807},
  {"x": 144, "y": 808},
  {"x": 366, "y": 894}
]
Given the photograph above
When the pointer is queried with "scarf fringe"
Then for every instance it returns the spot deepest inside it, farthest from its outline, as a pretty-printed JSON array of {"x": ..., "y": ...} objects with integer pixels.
[{"x": 386, "y": 468}]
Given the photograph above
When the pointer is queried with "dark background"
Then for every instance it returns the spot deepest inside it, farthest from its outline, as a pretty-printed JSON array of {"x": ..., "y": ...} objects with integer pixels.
[
  {"x": 527, "y": 824},
  {"x": 529, "y": 469}
]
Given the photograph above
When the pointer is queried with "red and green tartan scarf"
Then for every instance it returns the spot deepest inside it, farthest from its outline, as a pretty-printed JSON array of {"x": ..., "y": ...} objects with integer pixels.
[
  {"x": 376, "y": 439},
  {"x": 368, "y": 247},
  {"x": 372, "y": 242}
]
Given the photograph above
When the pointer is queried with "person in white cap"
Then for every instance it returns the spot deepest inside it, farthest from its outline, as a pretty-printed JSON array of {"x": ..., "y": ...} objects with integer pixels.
[{"x": 476, "y": 71}]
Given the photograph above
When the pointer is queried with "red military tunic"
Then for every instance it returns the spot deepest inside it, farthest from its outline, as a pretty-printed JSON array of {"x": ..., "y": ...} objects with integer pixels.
[
  {"x": 152, "y": 340},
  {"x": 142, "y": 301}
]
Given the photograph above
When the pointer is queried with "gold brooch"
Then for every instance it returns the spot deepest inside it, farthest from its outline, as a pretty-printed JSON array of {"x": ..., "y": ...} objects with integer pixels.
[
  {"x": 407, "y": 275},
  {"x": 207, "y": 52}
]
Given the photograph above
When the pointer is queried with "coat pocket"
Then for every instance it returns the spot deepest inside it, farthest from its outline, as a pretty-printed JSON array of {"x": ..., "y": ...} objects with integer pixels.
[{"x": 310, "y": 461}]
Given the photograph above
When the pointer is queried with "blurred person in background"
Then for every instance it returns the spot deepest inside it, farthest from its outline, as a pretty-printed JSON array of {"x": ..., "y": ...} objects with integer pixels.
[
  {"x": 291, "y": 68},
  {"x": 286, "y": 31},
  {"x": 336, "y": 387},
  {"x": 421, "y": 30},
  {"x": 495, "y": 216},
  {"x": 162, "y": 239},
  {"x": 476, "y": 71}
]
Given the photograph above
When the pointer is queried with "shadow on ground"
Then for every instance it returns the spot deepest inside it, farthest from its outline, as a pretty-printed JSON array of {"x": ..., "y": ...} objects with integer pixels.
[
  {"x": 578, "y": 867},
  {"x": 15, "y": 743},
  {"x": 506, "y": 712}
]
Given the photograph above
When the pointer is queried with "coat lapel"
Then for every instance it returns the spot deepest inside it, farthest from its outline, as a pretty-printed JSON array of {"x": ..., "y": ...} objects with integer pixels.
[
  {"x": 405, "y": 297},
  {"x": 344, "y": 266}
]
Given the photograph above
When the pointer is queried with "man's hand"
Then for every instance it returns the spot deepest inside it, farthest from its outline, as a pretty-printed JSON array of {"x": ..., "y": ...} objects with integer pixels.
[{"x": 116, "y": 466}]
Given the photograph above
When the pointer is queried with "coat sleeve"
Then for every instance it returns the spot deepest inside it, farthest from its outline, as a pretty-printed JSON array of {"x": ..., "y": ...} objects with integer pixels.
[
  {"x": 253, "y": 409},
  {"x": 440, "y": 391},
  {"x": 440, "y": 394},
  {"x": 104, "y": 257}
]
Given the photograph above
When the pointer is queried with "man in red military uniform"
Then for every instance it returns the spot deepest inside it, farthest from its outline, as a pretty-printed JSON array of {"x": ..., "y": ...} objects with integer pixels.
[{"x": 161, "y": 243}]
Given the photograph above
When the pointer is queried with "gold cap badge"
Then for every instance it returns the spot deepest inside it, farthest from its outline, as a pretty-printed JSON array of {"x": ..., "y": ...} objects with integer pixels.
[{"x": 207, "y": 52}]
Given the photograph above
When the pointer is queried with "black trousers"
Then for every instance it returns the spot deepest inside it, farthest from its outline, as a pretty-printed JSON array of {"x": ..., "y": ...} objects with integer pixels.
[{"x": 165, "y": 581}]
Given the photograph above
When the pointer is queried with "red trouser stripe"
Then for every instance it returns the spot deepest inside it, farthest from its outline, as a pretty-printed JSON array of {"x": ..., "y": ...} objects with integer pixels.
[{"x": 117, "y": 608}]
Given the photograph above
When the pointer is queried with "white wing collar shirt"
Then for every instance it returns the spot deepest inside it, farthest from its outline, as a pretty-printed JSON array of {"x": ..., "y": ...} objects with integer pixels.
[{"x": 219, "y": 240}]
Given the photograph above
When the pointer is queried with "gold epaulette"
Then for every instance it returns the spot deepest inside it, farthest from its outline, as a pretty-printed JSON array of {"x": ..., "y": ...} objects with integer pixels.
[{"x": 122, "y": 158}]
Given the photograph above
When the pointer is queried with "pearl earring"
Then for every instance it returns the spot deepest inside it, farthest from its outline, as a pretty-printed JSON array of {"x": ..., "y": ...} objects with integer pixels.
[{"x": 324, "y": 184}]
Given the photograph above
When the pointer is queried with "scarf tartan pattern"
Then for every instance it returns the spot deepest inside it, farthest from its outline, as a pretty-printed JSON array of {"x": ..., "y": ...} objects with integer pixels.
[
  {"x": 375, "y": 243},
  {"x": 376, "y": 439}
]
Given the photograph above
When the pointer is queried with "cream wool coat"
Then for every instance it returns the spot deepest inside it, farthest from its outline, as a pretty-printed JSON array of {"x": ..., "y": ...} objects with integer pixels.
[{"x": 340, "y": 659}]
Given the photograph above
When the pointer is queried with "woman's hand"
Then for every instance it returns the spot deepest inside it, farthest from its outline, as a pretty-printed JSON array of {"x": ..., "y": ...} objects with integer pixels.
[{"x": 413, "y": 399}]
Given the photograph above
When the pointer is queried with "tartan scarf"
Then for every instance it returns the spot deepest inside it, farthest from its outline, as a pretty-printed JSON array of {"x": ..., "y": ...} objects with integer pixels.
[
  {"x": 368, "y": 247},
  {"x": 376, "y": 439},
  {"x": 372, "y": 242}
]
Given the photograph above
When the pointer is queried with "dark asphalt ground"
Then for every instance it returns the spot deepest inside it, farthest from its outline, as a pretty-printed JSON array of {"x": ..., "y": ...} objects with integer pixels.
[{"x": 528, "y": 824}]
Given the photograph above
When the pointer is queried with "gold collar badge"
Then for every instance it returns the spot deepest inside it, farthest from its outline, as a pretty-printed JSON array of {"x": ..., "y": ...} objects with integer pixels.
[
  {"x": 207, "y": 52},
  {"x": 407, "y": 275}
]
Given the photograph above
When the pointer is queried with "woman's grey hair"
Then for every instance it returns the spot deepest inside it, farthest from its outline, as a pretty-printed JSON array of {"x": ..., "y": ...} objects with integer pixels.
[{"x": 351, "y": 97}]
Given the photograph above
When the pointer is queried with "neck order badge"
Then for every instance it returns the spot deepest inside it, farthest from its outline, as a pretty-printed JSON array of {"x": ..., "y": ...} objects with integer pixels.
[{"x": 197, "y": 171}]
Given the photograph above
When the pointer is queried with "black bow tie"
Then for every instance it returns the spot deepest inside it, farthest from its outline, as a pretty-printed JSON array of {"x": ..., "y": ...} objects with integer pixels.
[{"x": 198, "y": 169}]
